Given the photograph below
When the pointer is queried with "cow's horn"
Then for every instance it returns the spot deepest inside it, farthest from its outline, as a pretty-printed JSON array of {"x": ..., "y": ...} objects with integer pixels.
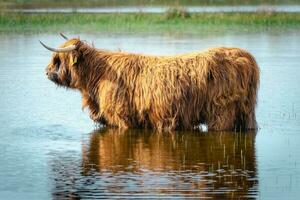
[
  {"x": 60, "y": 50},
  {"x": 65, "y": 37}
]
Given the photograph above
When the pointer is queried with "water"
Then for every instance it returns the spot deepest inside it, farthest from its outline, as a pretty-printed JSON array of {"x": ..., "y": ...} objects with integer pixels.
[
  {"x": 51, "y": 149},
  {"x": 162, "y": 9}
]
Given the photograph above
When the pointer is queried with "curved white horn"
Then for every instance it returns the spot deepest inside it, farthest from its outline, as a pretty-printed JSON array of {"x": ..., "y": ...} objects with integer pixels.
[
  {"x": 65, "y": 37},
  {"x": 59, "y": 50}
]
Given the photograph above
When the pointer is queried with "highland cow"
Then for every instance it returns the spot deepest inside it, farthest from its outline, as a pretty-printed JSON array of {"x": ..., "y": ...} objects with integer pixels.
[{"x": 216, "y": 87}]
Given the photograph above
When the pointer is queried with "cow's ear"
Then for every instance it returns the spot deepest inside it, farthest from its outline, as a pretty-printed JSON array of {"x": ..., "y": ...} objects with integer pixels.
[{"x": 73, "y": 59}]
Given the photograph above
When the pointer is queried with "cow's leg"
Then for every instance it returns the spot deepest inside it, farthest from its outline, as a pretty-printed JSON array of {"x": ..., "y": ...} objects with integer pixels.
[
  {"x": 166, "y": 124},
  {"x": 245, "y": 119},
  {"x": 250, "y": 120},
  {"x": 95, "y": 115},
  {"x": 114, "y": 118},
  {"x": 222, "y": 119},
  {"x": 123, "y": 121}
]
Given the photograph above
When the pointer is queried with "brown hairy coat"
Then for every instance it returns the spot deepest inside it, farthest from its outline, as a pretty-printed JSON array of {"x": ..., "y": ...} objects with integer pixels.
[{"x": 216, "y": 87}]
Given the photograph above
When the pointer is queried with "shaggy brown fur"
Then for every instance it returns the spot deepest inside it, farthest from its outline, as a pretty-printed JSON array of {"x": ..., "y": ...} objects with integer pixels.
[{"x": 217, "y": 87}]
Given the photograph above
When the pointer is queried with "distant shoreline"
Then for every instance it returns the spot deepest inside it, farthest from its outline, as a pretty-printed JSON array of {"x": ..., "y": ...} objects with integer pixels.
[
  {"x": 34, "y": 4},
  {"x": 172, "y": 21},
  {"x": 163, "y": 9}
]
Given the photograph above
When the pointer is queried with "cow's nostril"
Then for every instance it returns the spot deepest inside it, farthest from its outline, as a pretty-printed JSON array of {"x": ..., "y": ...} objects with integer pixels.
[{"x": 53, "y": 77}]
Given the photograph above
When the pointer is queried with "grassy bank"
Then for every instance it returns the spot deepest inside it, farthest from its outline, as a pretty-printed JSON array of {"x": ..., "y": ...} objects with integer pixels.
[
  {"x": 150, "y": 23},
  {"x": 102, "y": 3}
]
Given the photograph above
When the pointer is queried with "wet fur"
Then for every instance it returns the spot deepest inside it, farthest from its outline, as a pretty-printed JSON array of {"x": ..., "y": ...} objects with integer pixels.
[{"x": 217, "y": 87}]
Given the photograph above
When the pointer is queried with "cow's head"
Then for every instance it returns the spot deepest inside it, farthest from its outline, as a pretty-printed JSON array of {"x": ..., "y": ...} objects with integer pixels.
[{"x": 63, "y": 67}]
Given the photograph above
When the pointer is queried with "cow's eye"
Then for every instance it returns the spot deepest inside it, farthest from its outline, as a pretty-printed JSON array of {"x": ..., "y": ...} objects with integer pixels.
[{"x": 57, "y": 62}]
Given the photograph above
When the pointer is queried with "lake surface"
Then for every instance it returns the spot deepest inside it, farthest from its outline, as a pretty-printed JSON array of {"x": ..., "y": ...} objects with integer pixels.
[
  {"x": 162, "y": 9},
  {"x": 50, "y": 149}
]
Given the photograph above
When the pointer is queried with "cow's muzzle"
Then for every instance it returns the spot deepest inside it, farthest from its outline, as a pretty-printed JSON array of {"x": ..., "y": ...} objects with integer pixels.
[{"x": 53, "y": 76}]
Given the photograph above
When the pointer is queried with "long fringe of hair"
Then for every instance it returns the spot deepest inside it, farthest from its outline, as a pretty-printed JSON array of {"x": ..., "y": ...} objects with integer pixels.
[{"x": 217, "y": 87}]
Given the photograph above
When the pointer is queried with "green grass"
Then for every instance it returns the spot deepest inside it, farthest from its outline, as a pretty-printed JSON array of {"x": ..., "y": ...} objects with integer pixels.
[
  {"x": 148, "y": 23},
  {"x": 93, "y": 3}
]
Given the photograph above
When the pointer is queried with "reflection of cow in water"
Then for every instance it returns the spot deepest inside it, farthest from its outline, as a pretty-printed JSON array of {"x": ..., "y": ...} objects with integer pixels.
[
  {"x": 217, "y": 87},
  {"x": 220, "y": 165}
]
